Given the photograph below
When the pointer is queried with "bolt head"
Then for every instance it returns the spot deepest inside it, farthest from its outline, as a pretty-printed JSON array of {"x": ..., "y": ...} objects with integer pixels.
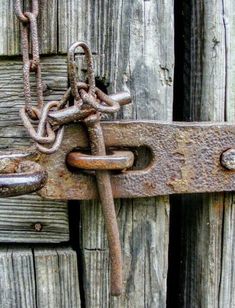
[{"x": 228, "y": 159}]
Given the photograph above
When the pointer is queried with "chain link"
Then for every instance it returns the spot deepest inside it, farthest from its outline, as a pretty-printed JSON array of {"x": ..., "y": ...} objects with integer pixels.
[
  {"x": 45, "y": 133},
  {"x": 87, "y": 98}
]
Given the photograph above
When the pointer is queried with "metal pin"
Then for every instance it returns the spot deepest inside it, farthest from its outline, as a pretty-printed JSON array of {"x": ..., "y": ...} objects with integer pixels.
[{"x": 106, "y": 197}]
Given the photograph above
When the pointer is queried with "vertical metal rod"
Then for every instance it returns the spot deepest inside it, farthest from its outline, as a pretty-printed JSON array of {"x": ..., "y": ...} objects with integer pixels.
[{"x": 106, "y": 197}]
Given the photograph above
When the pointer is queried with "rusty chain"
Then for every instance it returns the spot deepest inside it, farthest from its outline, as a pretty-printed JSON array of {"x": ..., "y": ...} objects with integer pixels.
[{"x": 88, "y": 99}]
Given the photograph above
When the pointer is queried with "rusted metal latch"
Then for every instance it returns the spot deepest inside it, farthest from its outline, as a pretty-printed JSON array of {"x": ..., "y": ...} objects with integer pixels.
[{"x": 93, "y": 159}]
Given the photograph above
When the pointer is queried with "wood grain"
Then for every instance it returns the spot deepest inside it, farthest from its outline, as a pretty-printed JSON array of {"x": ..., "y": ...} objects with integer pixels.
[
  {"x": 38, "y": 277},
  {"x": 137, "y": 43},
  {"x": 10, "y": 27},
  {"x": 207, "y": 232}
]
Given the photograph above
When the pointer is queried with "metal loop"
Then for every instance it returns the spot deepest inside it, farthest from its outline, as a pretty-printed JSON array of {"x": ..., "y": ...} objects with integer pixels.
[
  {"x": 74, "y": 113},
  {"x": 34, "y": 38},
  {"x": 18, "y": 11},
  {"x": 118, "y": 160},
  {"x": 31, "y": 65},
  {"x": 33, "y": 133},
  {"x": 112, "y": 107},
  {"x": 29, "y": 177},
  {"x": 72, "y": 68},
  {"x": 56, "y": 145}
]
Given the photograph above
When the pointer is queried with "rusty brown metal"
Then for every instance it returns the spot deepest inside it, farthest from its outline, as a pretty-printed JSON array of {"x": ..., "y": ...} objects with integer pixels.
[
  {"x": 20, "y": 14},
  {"x": 106, "y": 197},
  {"x": 185, "y": 158},
  {"x": 117, "y": 160},
  {"x": 75, "y": 113},
  {"x": 28, "y": 177},
  {"x": 29, "y": 26},
  {"x": 72, "y": 69},
  {"x": 94, "y": 101}
]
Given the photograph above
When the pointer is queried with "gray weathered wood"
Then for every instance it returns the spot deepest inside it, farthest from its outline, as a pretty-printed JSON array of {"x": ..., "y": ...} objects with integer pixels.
[
  {"x": 56, "y": 274},
  {"x": 9, "y": 27},
  {"x": 208, "y": 234},
  {"x": 18, "y": 216},
  {"x": 38, "y": 277},
  {"x": 137, "y": 43},
  {"x": 41, "y": 276},
  {"x": 80, "y": 20}
]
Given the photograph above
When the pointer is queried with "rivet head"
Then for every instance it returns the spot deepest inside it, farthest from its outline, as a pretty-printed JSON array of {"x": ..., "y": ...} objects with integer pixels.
[
  {"x": 228, "y": 159},
  {"x": 38, "y": 227}
]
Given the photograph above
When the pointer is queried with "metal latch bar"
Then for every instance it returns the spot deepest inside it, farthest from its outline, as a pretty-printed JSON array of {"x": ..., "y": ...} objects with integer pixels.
[{"x": 185, "y": 158}]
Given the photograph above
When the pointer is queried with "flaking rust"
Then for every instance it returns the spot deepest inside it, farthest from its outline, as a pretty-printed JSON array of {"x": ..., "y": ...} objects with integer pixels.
[
  {"x": 185, "y": 158},
  {"x": 186, "y": 173}
]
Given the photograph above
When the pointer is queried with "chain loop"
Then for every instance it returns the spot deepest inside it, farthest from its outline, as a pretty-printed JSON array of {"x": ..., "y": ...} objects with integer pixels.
[
  {"x": 18, "y": 11},
  {"x": 72, "y": 69},
  {"x": 30, "y": 29},
  {"x": 88, "y": 99}
]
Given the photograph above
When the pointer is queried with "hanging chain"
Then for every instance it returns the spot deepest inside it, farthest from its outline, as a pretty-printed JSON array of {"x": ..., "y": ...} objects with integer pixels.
[
  {"x": 30, "y": 114},
  {"x": 51, "y": 116},
  {"x": 29, "y": 27}
]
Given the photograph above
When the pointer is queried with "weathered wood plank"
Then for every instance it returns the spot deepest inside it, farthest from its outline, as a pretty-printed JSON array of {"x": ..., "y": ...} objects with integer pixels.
[
  {"x": 137, "y": 42},
  {"x": 207, "y": 231},
  {"x": 18, "y": 216},
  {"x": 80, "y": 20},
  {"x": 17, "y": 283},
  {"x": 20, "y": 219},
  {"x": 10, "y": 27},
  {"x": 56, "y": 276},
  {"x": 39, "y": 277}
]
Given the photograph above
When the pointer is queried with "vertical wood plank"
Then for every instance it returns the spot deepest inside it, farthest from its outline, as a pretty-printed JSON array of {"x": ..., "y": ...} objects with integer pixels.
[
  {"x": 17, "y": 283},
  {"x": 39, "y": 277},
  {"x": 56, "y": 276},
  {"x": 137, "y": 42},
  {"x": 80, "y": 20},
  {"x": 10, "y": 27},
  {"x": 207, "y": 231}
]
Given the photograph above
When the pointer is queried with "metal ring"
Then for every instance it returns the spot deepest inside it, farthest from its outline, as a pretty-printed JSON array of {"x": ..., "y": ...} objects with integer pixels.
[
  {"x": 72, "y": 68},
  {"x": 28, "y": 178},
  {"x": 118, "y": 160}
]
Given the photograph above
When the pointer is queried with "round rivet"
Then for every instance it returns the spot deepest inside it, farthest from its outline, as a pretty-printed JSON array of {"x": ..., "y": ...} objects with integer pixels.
[{"x": 228, "y": 159}]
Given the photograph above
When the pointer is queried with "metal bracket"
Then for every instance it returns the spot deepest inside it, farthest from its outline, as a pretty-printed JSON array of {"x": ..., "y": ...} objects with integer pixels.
[{"x": 185, "y": 158}]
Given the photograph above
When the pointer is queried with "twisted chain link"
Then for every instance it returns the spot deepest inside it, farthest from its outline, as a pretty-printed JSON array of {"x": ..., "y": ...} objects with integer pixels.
[{"x": 87, "y": 98}]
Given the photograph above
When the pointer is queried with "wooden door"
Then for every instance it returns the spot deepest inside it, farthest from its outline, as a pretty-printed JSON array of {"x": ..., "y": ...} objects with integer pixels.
[{"x": 177, "y": 59}]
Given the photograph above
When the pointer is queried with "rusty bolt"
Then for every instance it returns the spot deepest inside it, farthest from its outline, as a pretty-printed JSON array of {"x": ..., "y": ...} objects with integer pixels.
[
  {"x": 38, "y": 227},
  {"x": 228, "y": 159}
]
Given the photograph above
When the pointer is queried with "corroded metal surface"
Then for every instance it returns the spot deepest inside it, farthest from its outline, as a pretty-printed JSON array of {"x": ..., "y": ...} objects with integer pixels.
[
  {"x": 28, "y": 177},
  {"x": 185, "y": 159},
  {"x": 97, "y": 144}
]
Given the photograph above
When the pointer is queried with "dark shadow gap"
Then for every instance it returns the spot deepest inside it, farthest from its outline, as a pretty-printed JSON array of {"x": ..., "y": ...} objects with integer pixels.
[
  {"x": 173, "y": 279},
  {"x": 74, "y": 231}
]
